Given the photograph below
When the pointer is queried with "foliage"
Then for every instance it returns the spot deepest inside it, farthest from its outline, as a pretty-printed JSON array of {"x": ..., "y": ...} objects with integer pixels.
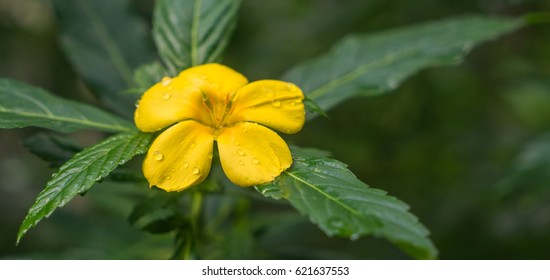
[{"x": 110, "y": 49}]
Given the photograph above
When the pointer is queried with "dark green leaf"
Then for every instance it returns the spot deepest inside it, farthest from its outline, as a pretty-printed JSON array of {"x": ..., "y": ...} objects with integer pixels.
[
  {"x": 193, "y": 32},
  {"x": 24, "y": 105},
  {"x": 149, "y": 74},
  {"x": 163, "y": 225},
  {"x": 52, "y": 148},
  {"x": 377, "y": 63},
  {"x": 105, "y": 42},
  {"x": 334, "y": 199},
  {"x": 80, "y": 173}
]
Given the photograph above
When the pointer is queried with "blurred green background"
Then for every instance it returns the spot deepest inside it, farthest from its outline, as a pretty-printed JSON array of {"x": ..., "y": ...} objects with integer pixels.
[{"x": 467, "y": 147}]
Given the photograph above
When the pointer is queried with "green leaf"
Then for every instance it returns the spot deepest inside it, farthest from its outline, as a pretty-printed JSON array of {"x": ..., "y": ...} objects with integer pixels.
[
  {"x": 105, "y": 43},
  {"x": 334, "y": 199},
  {"x": 52, "y": 148},
  {"x": 80, "y": 173},
  {"x": 149, "y": 74},
  {"x": 193, "y": 32},
  {"x": 373, "y": 64},
  {"x": 24, "y": 105}
]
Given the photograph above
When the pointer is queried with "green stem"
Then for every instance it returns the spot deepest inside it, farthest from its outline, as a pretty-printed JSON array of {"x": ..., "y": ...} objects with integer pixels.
[{"x": 193, "y": 234}]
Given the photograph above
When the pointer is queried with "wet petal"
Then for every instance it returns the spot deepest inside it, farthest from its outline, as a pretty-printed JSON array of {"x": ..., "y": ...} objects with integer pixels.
[
  {"x": 214, "y": 79},
  {"x": 180, "y": 157},
  {"x": 275, "y": 104},
  {"x": 167, "y": 102},
  {"x": 252, "y": 154}
]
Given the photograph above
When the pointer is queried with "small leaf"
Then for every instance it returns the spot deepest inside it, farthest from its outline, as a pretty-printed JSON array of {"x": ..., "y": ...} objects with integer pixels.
[
  {"x": 80, "y": 173},
  {"x": 373, "y": 64},
  {"x": 52, "y": 148},
  {"x": 334, "y": 199},
  {"x": 192, "y": 32},
  {"x": 24, "y": 105},
  {"x": 105, "y": 43},
  {"x": 149, "y": 74}
]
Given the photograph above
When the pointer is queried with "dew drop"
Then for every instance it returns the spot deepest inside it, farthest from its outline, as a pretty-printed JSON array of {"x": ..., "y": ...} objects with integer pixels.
[
  {"x": 241, "y": 152},
  {"x": 292, "y": 87},
  {"x": 241, "y": 163},
  {"x": 210, "y": 155},
  {"x": 158, "y": 156},
  {"x": 244, "y": 128},
  {"x": 276, "y": 103},
  {"x": 186, "y": 165},
  {"x": 256, "y": 161},
  {"x": 172, "y": 170},
  {"x": 137, "y": 103},
  {"x": 166, "y": 96},
  {"x": 168, "y": 177},
  {"x": 193, "y": 145},
  {"x": 236, "y": 143},
  {"x": 196, "y": 170},
  {"x": 166, "y": 81}
]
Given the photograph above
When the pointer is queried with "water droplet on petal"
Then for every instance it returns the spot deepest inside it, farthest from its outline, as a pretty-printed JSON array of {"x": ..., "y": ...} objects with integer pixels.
[
  {"x": 241, "y": 163},
  {"x": 276, "y": 103},
  {"x": 168, "y": 177},
  {"x": 293, "y": 103},
  {"x": 256, "y": 161},
  {"x": 158, "y": 156},
  {"x": 210, "y": 155},
  {"x": 172, "y": 170},
  {"x": 193, "y": 145},
  {"x": 292, "y": 87},
  {"x": 166, "y": 95},
  {"x": 196, "y": 170},
  {"x": 241, "y": 152},
  {"x": 244, "y": 128},
  {"x": 166, "y": 81},
  {"x": 236, "y": 143},
  {"x": 186, "y": 165}
]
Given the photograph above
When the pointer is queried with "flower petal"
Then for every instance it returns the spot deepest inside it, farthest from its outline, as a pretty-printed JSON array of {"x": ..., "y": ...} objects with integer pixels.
[
  {"x": 214, "y": 79},
  {"x": 168, "y": 102},
  {"x": 275, "y": 104},
  {"x": 252, "y": 154},
  {"x": 180, "y": 157}
]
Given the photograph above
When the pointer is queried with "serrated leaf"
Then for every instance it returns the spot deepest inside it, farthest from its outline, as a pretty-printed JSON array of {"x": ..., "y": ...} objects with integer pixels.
[
  {"x": 334, "y": 199},
  {"x": 52, "y": 148},
  {"x": 80, "y": 173},
  {"x": 24, "y": 105},
  {"x": 105, "y": 43},
  {"x": 373, "y": 64},
  {"x": 192, "y": 32}
]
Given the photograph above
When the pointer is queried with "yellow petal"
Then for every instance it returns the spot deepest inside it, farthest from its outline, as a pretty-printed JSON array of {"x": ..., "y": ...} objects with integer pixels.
[
  {"x": 180, "y": 157},
  {"x": 252, "y": 154},
  {"x": 168, "y": 102},
  {"x": 275, "y": 104},
  {"x": 214, "y": 79}
]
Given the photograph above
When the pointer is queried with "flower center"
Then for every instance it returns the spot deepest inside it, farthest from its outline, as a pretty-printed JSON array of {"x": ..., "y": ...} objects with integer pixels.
[{"x": 218, "y": 110}]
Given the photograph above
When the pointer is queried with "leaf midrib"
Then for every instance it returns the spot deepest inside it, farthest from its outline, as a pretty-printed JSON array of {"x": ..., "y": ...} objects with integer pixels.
[
  {"x": 353, "y": 211},
  {"x": 68, "y": 120},
  {"x": 194, "y": 32},
  {"x": 357, "y": 72}
]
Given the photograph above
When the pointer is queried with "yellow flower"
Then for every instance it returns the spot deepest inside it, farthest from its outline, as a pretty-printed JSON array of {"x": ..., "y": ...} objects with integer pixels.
[{"x": 210, "y": 103}]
